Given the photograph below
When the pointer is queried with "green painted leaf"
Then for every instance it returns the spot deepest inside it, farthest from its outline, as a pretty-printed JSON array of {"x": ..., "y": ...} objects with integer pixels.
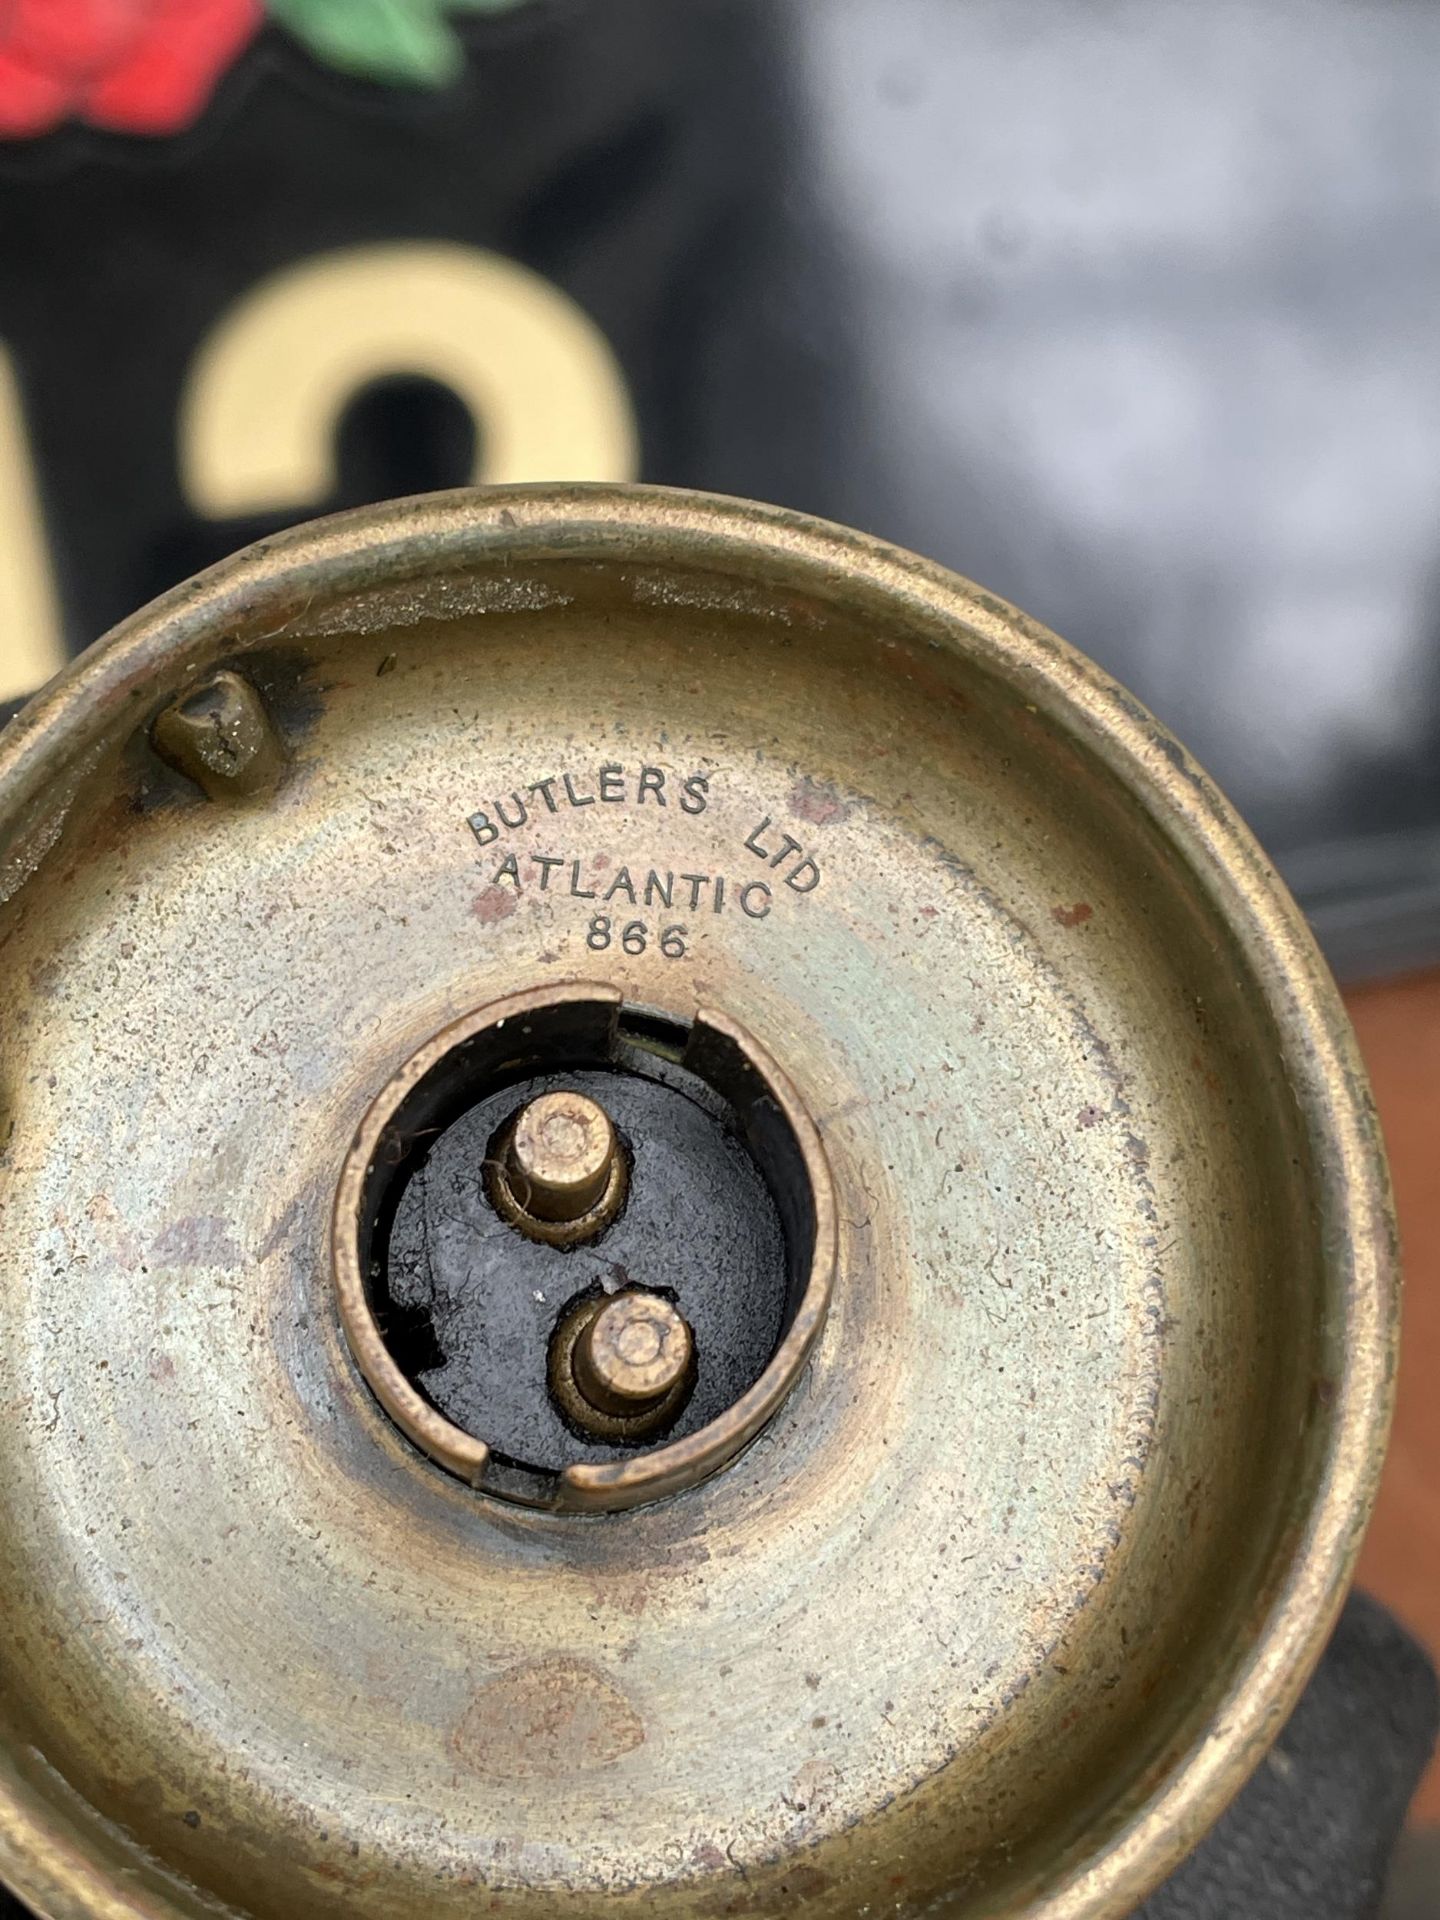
[{"x": 406, "y": 41}]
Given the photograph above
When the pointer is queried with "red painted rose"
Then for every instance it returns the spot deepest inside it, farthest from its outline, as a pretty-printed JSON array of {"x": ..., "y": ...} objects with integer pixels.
[{"x": 136, "y": 66}]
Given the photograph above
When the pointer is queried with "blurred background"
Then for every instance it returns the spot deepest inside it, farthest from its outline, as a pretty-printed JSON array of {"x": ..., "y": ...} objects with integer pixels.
[{"x": 1127, "y": 310}]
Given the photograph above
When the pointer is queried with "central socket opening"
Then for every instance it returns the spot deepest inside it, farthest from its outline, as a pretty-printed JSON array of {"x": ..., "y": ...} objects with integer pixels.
[{"x": 583, "y": 1249}]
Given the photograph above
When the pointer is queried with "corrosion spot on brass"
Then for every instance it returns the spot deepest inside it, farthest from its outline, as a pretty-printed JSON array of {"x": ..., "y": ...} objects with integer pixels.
[
  {"x": 622, "y": 1368},
  {"x": 561, "y": 1175},
  {"x": 220, "y": 736}
]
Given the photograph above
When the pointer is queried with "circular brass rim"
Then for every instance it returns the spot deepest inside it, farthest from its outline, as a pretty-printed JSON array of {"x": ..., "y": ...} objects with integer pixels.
[
  {"x": 589, "y": 1487},
  {"x": 43, "y": 754}
]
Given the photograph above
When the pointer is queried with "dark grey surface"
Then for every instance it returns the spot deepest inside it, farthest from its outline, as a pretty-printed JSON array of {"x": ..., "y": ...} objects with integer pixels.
[{"x": 1143, "y": 301}]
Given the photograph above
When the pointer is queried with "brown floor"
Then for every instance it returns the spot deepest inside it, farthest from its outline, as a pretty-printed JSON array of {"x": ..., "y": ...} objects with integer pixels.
[{"x": 1399, "y": 1029}]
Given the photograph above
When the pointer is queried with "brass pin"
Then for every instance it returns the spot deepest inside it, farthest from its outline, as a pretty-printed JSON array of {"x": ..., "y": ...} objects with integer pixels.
[
  {"x": 622, "y": 1369},
  {"x": 636, "y": 1350},
  {"x": 561, "y": 1153},
  {"x": 562, "y": 1175}
]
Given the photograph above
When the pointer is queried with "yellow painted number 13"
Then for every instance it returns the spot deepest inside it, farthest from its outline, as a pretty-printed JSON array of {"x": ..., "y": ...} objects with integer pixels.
[{"x": 267, "y": 388}]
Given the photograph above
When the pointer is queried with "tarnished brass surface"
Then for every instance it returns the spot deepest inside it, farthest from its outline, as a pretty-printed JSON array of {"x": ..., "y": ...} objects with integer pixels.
[
  {"x": 999, "y": 1609},
  {"x": 219, "y": 735}
]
